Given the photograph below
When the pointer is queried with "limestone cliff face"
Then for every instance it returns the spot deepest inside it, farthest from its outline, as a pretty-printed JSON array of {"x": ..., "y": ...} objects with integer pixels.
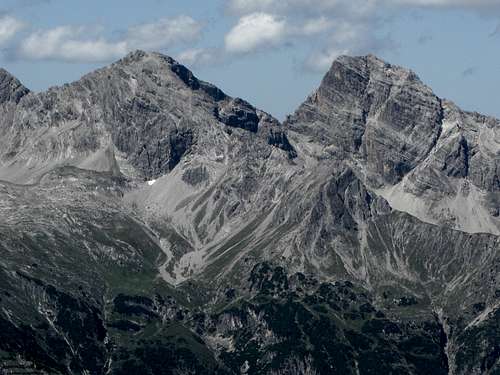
[
  {"x": 149, "y": 222},
  {"x": 377, "y": 114}
]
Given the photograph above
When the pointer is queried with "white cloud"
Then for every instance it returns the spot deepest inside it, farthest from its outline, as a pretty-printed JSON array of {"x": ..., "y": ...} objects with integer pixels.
[
  {"x": 9, "y": 26},
  {"x": 80, "y": 44},
  {"x": 348, "y": 33},
  {"x": 322, "y": 60},
  {"x": 352, "y": 26},
  {"x": 338, "y": 27},
  {"x": 283, "y": 6},
  {"x": 197, "y": 56},
  {"x": 312, "y": 6},
  {"x": 306, "y": 8},
  {"x": 254, "y": 31},
  {"x": 68, "y": 43},
  {"x": 259, "y": 30},
  {"x": 331, "y": 27},
  {"x": 348, "y": 38},
  {"x": 448, "y": 3},
  {"x": 316, "y": 26},
  {"x": 163, "y": 33},
  {"x": 91, "y": 50},
  {"x": 249, "y": 6}
]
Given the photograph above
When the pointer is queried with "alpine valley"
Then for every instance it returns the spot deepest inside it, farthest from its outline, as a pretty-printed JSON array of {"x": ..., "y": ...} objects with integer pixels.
[{"x": 151, "y": 224}]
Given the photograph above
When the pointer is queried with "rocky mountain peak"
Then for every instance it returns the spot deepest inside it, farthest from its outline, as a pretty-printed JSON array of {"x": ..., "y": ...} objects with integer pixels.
[
  {"x": 374, "y": 112},
  {"x": 154, "y": 63},
  {"x": 11, "y": 89},
  {"x": 370, "y": 66},
  {"x": 135, "y": 56},
  {"x": 140, "y": 57},
  {"x": 409, "y": 145},
  {"x": 147, "y": 106}
]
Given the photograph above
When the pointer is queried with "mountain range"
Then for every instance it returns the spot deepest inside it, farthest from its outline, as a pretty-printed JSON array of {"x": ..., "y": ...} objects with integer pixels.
[{"x": 152, "y": 224}]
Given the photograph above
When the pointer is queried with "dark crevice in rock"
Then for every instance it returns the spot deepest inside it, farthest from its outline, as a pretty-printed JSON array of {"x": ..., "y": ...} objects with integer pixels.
[
  {"x": 280, "y": 140},
  {"x": 10, "y": 88},
  {"x": 367, "y": 103},
  {"x": 195, "y": 84},
  {"x": 185, "y": 75},
  {"x": 465, "y": 150},
  {"x": 213, "y": 91},
  {"x": 238, "y": 113},
  {"x": 160, "y": 157},
  {"x": 180, "y": 143},
  {"x": 195, "y": 176},
  {"x": 439, "y": 123},
  {"x": 456, "y": 163}
]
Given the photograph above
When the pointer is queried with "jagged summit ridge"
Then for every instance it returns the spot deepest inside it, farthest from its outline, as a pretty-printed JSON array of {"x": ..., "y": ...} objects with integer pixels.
[
  {"x": 182, "y": 72},
  {"x": 360, "y": 95},
  {"x": 148, "y": 109},
  {"x": 11, "y": 89}
]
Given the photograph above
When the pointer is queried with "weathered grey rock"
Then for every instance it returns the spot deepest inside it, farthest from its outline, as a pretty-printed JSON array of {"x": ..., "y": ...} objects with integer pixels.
[
  {"x": 10, "y": 88},
  {"x": 195, "y": 176},
  {"x": 239, "y": 114},
  {"x": 378, "y": 113},
  {"x": 279, "y": 139}
]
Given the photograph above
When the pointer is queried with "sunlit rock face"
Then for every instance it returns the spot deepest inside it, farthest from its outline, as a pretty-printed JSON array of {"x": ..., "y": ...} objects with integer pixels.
[{"x": 150, "y": 224}]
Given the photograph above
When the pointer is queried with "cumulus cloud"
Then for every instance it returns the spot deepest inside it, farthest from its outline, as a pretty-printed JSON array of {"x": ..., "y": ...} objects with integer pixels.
[
  {"x": 198, "y": 56},
  {"x": 338, "y": 26},
  {"x": 9, "y": 27},
  {"x": 280, "y": 6},
  {"x": 255, "y": 31},
  {"x": 260, "y": 30},
  {"x": 247, "y": 6},
  {"x": 348, "y": 39},
  {"x": 68, "y": 43},
  {"x": 163, "y": 33},
  {"x": 315, "y": 26},
  {"x": 341, "y": 26},
  {"x": 73, "y": 44},
  {"x": 448, "y": 3},
  {"x": 322, "y": 60}
]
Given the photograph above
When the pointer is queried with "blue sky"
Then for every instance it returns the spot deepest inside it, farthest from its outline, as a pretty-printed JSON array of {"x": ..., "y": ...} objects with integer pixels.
[{"x": 270, "y": 52}]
